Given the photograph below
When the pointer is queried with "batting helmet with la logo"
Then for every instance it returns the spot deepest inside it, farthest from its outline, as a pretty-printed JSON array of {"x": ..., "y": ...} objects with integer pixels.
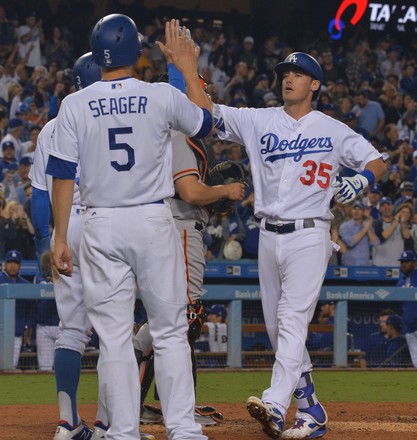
[{"x": 303, "y": 61}]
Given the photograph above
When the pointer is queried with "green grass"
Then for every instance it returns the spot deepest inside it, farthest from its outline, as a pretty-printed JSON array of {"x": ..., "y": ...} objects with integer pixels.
[{"x": 230, "y": 387}]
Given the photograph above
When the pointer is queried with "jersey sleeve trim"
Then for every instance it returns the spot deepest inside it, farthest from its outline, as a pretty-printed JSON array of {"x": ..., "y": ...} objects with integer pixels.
[
  {"x": 60, "y": 168},
  {"x": 206, "y": 126},
  {"x": 190, "y": 171}
]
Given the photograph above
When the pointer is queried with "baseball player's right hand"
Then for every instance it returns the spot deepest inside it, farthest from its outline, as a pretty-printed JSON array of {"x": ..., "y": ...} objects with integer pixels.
[
  {"x": 61, "y": 257},
  {"x": 346, "y": 189},
  {"x": 179, "y": 49},
  {"x": 235, "y": 191}
]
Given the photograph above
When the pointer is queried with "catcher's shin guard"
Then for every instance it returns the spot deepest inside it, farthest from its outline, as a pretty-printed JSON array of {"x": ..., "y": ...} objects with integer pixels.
[
  {"x": 145, "y": 358},
  {"x": 196, "y": 317}
]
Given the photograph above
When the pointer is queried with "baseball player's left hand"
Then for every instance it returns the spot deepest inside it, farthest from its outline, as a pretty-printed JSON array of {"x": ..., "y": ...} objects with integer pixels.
[
  {"x": 61, "y": 257},
  {"x": 346, "y": 189}
]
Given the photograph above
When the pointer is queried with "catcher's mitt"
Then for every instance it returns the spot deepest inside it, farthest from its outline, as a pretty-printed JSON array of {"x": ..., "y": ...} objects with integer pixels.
[{"x": 222, "y": 174}]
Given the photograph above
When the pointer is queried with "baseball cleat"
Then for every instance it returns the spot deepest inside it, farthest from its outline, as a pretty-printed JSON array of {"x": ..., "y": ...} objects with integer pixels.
[
  {"x": 310, "y": 423},
  {"x": 304, "y": 429},
  {"x": 267, "y": 415},
  {"x": 207, "y": 415},
  {"x": 151, "y": 415},
  {"x": 65, "y": 431},
  {"x": 100, "y": 430}
]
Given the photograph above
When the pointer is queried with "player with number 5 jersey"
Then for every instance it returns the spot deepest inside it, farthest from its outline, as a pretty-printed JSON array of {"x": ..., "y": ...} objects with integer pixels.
[{"x": 118, "y": 129}]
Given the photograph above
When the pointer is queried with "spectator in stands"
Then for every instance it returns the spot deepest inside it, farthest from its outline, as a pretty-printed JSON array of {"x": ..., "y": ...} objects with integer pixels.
[
  {"x": 374, "y": 195},
  {"x": 57, "y": 49},
  {"x": 261, "y": 88},
  {"x": 391, "y": 186},
  {"x": 392, "y": 65},
  {"x": 248, "y": 54},
  {"x": 239, "y": 86},
  {"x": 356, "y": 64},
  {"x": 24, "y": 238},
  {"x": 331, "y": 71},
  {"x": 268, "y": 58},
  {"x": 24, "y": 311},
  {"x": 371, "y": 115},
  {"x": 408, "y": 278},
  {"x": 376, "y": 344},
  {"x": 409, "y": 80},
  {"x": 14, "y": 134},
  {"x": 7, "y": 227},
  {"x": 30, "y": 145},
  {"x": 407, "y": 127},
  {"x": 47, "y": 328},
  {"x": 359, "y": 236},
  {"x": 31, "y": 37},
  {"x": 393, "y": 233},
  {"x": 405, "y": 194},
  {"x": 351, "y": 120},
  {"x": 8, "y": 162},
  {"x": 14, "y": 181},
  {"x": 216, "y": 151},
  {"x": 405, "y": 158}
]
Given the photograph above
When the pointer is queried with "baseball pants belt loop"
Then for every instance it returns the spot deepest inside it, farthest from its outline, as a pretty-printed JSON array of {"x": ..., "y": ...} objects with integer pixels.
[{"x": 287, "y": 228}]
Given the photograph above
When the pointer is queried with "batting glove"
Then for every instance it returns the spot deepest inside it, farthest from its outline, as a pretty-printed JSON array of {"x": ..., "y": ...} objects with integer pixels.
[{"x": 346, "y": 189}]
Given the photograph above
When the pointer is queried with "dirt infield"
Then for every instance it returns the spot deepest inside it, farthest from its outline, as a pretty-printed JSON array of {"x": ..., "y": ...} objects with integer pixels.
[{"x": 353, "y": 421}]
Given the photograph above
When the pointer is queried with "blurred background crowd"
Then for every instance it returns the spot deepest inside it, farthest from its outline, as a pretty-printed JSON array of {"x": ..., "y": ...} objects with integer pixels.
[{"x": 369, "y": 84}]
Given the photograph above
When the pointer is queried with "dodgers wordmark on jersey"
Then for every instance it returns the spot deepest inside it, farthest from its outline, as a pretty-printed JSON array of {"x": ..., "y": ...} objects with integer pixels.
[
  {"x": 297, "y": 158},
  {"x": 37, "y": 173},
  {"x": 123, "y": 125}
]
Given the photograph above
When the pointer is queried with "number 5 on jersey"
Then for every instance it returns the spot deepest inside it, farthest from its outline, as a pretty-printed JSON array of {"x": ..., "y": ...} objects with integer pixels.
[
  {"x": 316, "y": 173},
  {"x": 113, "y": 145}
]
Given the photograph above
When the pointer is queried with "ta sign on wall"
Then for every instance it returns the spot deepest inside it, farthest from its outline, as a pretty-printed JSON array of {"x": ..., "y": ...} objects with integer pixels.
[{"x": 393, "y": 16}]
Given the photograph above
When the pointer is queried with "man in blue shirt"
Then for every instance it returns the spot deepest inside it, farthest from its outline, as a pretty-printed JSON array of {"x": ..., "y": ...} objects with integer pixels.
[
  {"x": 358, "y": 235},
  {"x": 408, "y": 278},
  {"x": 25, "y": 312},
  {"x": 397, "y": 350}
]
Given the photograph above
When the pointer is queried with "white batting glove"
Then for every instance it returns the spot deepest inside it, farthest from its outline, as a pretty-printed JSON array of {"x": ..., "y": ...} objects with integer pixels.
[{"x": 346, "y": 189}]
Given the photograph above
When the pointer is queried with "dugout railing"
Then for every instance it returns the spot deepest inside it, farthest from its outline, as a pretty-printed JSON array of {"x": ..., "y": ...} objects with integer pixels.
[{"x": 233, "y": 283}]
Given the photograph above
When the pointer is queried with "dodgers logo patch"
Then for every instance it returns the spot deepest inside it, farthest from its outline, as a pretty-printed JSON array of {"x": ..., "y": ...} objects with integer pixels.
[{"x": 295, "y": 148}]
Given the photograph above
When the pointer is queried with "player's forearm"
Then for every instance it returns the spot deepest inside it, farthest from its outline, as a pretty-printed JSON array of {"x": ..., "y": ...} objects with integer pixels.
[
  {"x": 201, "y": 194},
  {"x": 377, "y": 167},
  {"x": 62, "y": 195},
  {"x": 195, "y": 93}
]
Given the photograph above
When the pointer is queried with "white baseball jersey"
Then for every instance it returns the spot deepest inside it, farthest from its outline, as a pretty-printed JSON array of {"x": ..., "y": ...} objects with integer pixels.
[
  {"x": 290, "y": 157},
  {"x": 101, "y": 125},
  {"x": 37, "y": 173}
]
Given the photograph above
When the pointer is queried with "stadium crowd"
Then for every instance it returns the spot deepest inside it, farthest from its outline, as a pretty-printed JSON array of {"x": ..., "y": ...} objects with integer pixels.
[{"x": 372, "y": 87}]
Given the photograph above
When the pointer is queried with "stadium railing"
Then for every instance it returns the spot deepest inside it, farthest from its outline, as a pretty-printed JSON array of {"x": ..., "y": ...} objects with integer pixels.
[{"x": 234, "y": 282}]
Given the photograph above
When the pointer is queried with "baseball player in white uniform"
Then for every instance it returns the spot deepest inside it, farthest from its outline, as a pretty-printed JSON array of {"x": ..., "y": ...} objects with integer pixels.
[
  {"x": 74, "y": 324},
  {"x": 295, "y": 154},
  {"x": 189, "y": 209},
  {"x": 118, "y": 130}
]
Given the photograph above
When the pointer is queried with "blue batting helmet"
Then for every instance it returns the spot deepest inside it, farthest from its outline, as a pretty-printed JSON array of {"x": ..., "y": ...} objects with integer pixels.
[
  {"x": 86, "y": 71},
  {"x": 115, "y": 41},
  {"x": 304, "y": 62}
]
